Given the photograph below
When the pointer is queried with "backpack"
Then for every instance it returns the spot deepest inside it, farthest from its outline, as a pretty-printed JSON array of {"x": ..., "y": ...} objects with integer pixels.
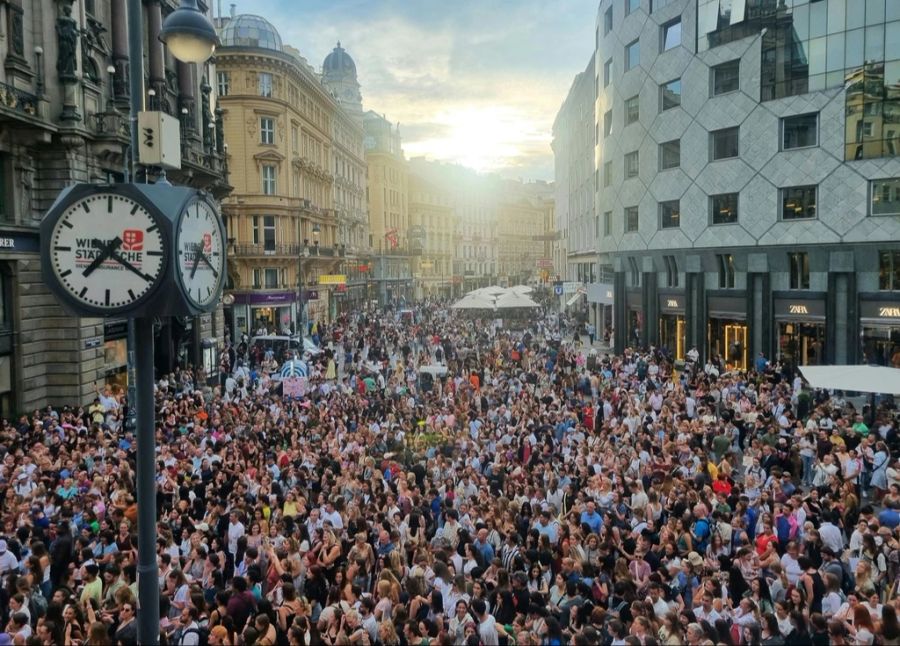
[
  {"x": 202, "y": 633},
  {"x": 37, "y": 604},
  {"x": 848, "y": 581}
]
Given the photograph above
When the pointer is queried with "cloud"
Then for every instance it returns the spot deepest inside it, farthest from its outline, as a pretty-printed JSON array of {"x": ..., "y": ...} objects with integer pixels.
[{"x": 477, "y": 83}]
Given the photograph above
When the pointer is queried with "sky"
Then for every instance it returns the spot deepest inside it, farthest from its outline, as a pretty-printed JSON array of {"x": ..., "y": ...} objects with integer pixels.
[{"x": 475, "y": 82}]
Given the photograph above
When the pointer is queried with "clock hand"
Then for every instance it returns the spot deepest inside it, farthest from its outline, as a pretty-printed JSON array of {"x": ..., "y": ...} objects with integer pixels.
[
  {"x": 197, "y": 255},
  {"x": 209, "y": 263},
  {"x": 106, "y": 251},
  {"x": 119, "y": 259}
]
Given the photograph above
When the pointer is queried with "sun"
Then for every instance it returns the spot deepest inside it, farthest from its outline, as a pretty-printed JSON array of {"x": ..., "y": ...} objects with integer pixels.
[{"x": 485, "y": 138}]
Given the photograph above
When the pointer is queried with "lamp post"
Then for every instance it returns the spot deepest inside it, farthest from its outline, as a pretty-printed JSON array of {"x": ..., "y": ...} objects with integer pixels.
[
  {"x": 191, "y": 38},
  {"x": 304, "y": 253}
]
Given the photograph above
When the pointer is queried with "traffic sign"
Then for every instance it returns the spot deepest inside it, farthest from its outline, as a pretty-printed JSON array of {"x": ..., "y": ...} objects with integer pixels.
[{"x": 558, "y": 289}]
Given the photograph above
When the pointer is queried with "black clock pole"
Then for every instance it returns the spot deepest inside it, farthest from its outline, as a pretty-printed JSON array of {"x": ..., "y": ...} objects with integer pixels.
[{"x": 140, "y": 388}]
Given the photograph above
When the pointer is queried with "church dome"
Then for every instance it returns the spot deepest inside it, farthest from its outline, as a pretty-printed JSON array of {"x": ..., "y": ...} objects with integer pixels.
[
  {"x": 338, "y": 63},
  {"x": 248, "y": 30}
]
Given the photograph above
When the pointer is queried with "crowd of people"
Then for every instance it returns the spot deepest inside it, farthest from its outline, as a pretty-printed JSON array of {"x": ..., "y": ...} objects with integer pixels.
[{"x": 542, "y": 492}]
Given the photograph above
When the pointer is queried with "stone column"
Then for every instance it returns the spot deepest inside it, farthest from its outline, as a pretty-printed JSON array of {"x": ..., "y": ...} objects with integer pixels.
[
  {"x": 119, "y": 29},
  {"x": 155, "y": 55}
]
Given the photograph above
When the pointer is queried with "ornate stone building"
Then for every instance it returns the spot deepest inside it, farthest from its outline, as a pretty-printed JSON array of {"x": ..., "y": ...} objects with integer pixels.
[
  {"x": 279, "y": 126},
  {"x": 63, "y": 119}
]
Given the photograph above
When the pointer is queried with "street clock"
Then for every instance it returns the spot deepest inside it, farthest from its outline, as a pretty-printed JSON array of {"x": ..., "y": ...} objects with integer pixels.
[{"x": 200, "y": 253}]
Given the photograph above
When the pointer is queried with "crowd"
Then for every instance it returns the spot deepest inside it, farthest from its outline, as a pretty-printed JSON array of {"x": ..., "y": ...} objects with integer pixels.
[{"x": 543, "y": 492}]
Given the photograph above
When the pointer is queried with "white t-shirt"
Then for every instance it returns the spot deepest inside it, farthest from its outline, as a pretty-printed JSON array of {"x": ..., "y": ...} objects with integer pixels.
[{"x": 487, "y": 631}]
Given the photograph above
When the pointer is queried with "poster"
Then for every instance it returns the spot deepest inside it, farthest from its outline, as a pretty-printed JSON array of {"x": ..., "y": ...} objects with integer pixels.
[{"x": 294, "y": 387}]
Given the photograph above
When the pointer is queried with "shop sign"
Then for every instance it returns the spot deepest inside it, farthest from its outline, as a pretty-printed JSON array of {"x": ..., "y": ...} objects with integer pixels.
[
  {"x": 262, "y": 299},
  {"x": 332, "y": 279},
  {"x": 310, "y": 294},
  {"x": 570, "y": 287},
  {"x": 797, "y": 308},
  {"x": 113, "y": 330},
  {"x": 19, "y": 241},
  {"x": 671, "y": 303},
  {"x": 728, "y": 307},
  {"x": 93, "y": 342},
  {"x": 879, "y": 310}
]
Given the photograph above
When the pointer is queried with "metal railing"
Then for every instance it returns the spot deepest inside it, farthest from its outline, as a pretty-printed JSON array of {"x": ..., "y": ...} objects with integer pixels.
[{"x": 267, "y": 250}]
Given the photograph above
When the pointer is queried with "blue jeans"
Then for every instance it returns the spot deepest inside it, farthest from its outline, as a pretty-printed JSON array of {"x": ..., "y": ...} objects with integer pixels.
[{"x": 808, "y": 461}]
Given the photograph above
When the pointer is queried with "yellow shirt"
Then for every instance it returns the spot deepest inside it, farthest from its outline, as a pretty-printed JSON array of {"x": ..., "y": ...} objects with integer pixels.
[
  {"x": 93, "y": 590},
  {"x": 290, "y": 509},
  {"x": 713, "y": 470}
]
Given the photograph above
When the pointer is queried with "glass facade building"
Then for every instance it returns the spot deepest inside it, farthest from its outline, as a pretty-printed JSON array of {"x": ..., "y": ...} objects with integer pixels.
[{"x": 811, "y": 45}]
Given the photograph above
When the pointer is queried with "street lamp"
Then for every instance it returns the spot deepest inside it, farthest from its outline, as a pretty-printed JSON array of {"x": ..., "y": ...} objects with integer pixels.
[
  {"x": 189, "y": 34},
  {"x": 191, "y": 38}
]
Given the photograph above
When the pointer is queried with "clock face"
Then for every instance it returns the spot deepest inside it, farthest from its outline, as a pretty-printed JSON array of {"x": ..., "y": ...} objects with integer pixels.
[
  {"x": 108, "y": 252},
  {"x": 201, "y": 253}
]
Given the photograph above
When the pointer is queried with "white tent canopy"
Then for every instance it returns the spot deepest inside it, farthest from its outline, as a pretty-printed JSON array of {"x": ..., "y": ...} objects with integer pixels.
[
  {"x": 864, "y": 379},
  {"x": 512, "y": 300},
  {"x": 521, "y": 289},
  {"x": 474, "y": 302}
]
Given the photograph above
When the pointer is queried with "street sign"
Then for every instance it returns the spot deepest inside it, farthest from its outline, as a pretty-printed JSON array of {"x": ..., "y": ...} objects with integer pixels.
[{"x": 558, "y": 289}]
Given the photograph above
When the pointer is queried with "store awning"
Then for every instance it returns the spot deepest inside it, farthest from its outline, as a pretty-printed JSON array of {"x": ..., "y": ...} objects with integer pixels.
[{"x": 863, "y": 379}]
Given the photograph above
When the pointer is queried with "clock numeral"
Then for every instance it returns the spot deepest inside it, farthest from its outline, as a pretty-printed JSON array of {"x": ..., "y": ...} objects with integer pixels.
[
  {"x": 107, "y": 294},
  {"x": 85, "y": 206},
  {"x": 109, "y": 204},
  {"x": 154, "y": 253},
  {"x": 82, "y": 292},
  {"x": 150, "y": 229},
  {"x": 65, "y": 273},
  {"x": 67, "y": 224},
  {"x": 62, "y": 248},
  {"x": 135, "y": 209},
  {"x": 131, "y": 294}
]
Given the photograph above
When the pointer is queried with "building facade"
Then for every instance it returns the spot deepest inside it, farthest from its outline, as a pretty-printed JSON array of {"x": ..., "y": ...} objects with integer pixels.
[
  {"x": 747, "y": 168},
  {"x": 523, "y": 235},
  {"x": 350, "y": 204},
  {"x": 63, "y": 120},
  {"x": 279, "y": 125},
  {"x": 390, "y": 279},
  {"x": 431, "y": 213}
]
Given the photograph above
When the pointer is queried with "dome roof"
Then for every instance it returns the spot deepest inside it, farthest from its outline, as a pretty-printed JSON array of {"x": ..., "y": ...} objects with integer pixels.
[
  {"x": 248, "y": 30},
  {"x": 338, "y": 62}
]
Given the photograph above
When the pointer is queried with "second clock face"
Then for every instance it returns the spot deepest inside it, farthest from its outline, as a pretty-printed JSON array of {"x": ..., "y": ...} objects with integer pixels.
[
  {"x": 107, "y": 251},
  {"x": 201, "y": 253}
]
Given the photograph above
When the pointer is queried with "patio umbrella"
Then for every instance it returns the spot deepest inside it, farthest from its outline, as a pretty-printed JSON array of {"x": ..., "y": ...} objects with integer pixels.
[
  {"x": 513, "y": 300},
  {"x": 521, "y": 289},
  {"x": 294, "y": 368},
  {"x": 474, "y": 302},
  {"x": 863, "y": 379}
]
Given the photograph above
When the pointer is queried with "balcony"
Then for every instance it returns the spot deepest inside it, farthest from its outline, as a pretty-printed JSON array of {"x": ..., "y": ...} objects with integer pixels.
[
  {"x": 16, "y": 100},
  {"x": 262, "y": 250}
]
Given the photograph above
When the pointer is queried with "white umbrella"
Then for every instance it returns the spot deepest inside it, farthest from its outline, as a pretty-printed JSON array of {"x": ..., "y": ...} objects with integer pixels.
[
  {"x": 863, "y": 379},
  {"x": 474, "y": 302},
  {"x": 513, "y": 300},
  {"x": 521, "y": 289},
  {"x": 494, "y": 290}
]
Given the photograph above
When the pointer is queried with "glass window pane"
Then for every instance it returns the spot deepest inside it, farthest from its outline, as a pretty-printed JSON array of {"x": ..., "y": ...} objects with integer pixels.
[
  {"x": 836, "y": 13},
  {"x": 800, "y": 131},
  {"x": 632, "y": 165},
  {"x": 875, "y": 43},
  {"x": 726, "y": 77},
  {"x": 886, "y": 197},
  {"x": 817, "y": 56},
  {"x": 893, "y": 11},
  {"x": 818, "y": 19},
  {"x": 854, "y": 53},
  {"x": 725, "y": 143},
  {"x": 670, "y": 154},
  {"x": 632, "y": 55},
  {"x": 834, "y": 52},
  {"x": 670, "y": 214},
  {"x": 798, "y": 202},
  {"x": 632, "y": 109},
  {"x": 892, "y": 41},
  {"x": 724, "y": 208},
  {"x": 672, "y": 35},
  {"x": 875, "y": 11},
  {"x": 671, "y": 94}
]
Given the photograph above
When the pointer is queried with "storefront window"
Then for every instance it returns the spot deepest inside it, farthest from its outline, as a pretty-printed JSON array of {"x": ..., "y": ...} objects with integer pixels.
[
  {"x": 672, "y": 335},
  {"x": 115, "y": 360},
  {"x": 801, "y": 344},
  {"x": 881, "y": 345},
  {"x": 728, "y": 340}
]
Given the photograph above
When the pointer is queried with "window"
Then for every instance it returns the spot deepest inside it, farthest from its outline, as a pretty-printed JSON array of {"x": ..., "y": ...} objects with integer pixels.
[
  {"x": 607, "y": 174},
  {"x": 801, "y": 131},
  {"x": 632, "y": 5},
  {"x": 608, "y": 20},
  {"x": 271, "y": 278},
  {"x": 268, "y": 180},
  {"x": 264, "y": 231},
  {"x": 631, "y": 219},
  {"x": 670, "y": 35},
  {"x": 723, "y": 143},
  {"x": 632, "y": 109},
  {"x": 671, "y": 271},
  {"x": 889, "y": 270},
  {"x": 723, "y": 208},
  {"x": 295, "y": 140},
  {"x": 632, "y": 164},
  {"x": 607, "y": 72},
  {"x": 726, "y": 270},
  {"x": 89, "y": 7},
  {"x": 266, "y": 130},
  {"x": 224, "y": 82},
  {"x": 670, "y": 95},
  {"x": 607, "y": 223},
  {"x": 635, "y": 272},
  {"x": 607, "y": 123},
  {"x": 726, "y": 77},
  {"x": 264, "y": 84},
  {"x": 885, "y": 196},
  {"x": 799, "y": 269},
  {"x": 669, "y": 214},
  {"x": 632, "y": 54},
  {"x": 798, "y": 202},
  {"x": 670, "y": 154}
]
